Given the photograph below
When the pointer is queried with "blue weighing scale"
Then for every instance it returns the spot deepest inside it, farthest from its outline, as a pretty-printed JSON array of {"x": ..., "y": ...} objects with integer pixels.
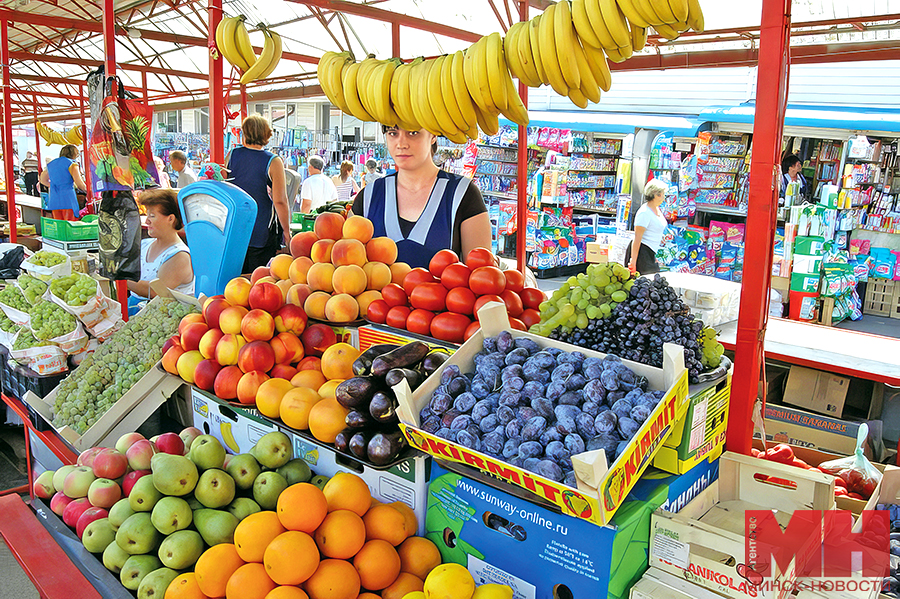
[{"x": 218, "y": 219}]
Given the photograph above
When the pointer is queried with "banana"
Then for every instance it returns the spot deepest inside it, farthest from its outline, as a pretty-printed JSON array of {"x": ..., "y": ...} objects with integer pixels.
[
  {"x": 534, "y": 44},
  {"x": 446, "y": 90},
  {"x": 228, "y": 437},
  {"x": 403, "y": 102},
  {"x": 487, "y": 122},
  {"x": 472, "y": 57},
  {"x": 351, "y": 95},
  {"x": 564, "y": 34},
  {"x": 456, "y": 137},
  {"x": 461, "y": 92},
  {"x": 220, "y": 30},
  {"x": 578, "y": 98},
  {"x": 511, "y": 45},
  {"x": 380, "y": 85},
  {"x": 418, "y": 79},
  {"x": 680, "y": 9},
  {"x": 59, "y": 139},
  {"x": 482, "y": 78},
  {"x": 276, "y": 39},
  {"x": 667, "y": 32},
  {"x": 225, "y": 43},
  {"x": 73, "y": 135},
  {"x": 615, "y": 21},
  {"x": 663, "y": 9},
  {"x": 638, "y": 38},
  {"x": 589, "y": 86},
  {"x": 647, "y": 8},
  {"x": 434, "y": 95},
  {"x": 634, "y": 16},
  {"x": 695, "y": 16},
  {"x": 549, "y": 52},
  {"x": 598, "y": 22},
  {"x": 618, "y": 54},
  {"x": 240, "y": 42},
  {"x": 367, "y": 71},
  {"x": 526, "y": 56},
  {"x": 327, "y": 65},
  {"x": 515, "y": 111},
  {"x": 262, "y": 63},
  {"x": 583, "y": 24},
  {"x": 599, "y": 68},
  {"x": 497, "y": 71},
  {"x": 335, "y": 79}
]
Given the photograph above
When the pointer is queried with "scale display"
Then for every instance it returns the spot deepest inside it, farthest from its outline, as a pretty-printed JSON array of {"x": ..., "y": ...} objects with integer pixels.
[{"x": 218, "y": 221}]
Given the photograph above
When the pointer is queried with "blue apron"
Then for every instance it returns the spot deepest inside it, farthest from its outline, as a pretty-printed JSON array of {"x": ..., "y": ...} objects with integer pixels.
[{"x": 62, "y": 186}]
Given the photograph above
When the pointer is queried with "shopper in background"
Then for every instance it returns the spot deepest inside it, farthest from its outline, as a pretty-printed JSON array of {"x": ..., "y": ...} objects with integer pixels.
[
  {"x": 422, "y": 208},
  {"x": 345, "y": 183},
  {"x": 179, "y": 164},
  {"x": 261, "y": 174},
  {"x": 372, "y": 173},
  {"x": 317, "y": 189},
  {"x": 164, "y": 181},
  {"x": 790, "y": 169},
  {"x": 30, "y": 168},
  {"x": 61, "y": 177},
  {"x": 649, "y": 226}
]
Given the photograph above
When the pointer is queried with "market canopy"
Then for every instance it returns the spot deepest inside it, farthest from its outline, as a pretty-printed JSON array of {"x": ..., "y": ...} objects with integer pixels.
[{"x": 845, "y": 120}]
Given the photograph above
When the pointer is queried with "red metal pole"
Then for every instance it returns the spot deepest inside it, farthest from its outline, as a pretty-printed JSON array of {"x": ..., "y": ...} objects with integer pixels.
[
  {"x": 85, "y": 139},
  {"x": 522, "y": 181},
  {"x": 395, "y": 39},
  {"x": 768, "y": 127},
  {"x": 7, "y": 133},
  {"x": 144, "y": 87},
  {"x": 243, "y": 102},
  {"x": 216, "y": 90},
  {"x": 37, "y": 137}
]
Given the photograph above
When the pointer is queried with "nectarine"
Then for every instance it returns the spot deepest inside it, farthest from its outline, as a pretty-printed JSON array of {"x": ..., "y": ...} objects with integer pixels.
[
  {"x": 190, "y": 319},
  {"x": 283, "y": 371},
  {"x": 212, "y": 310},
  {"x": 256, "y": 355},
  {"x": 287, "y": 348},
  {"x": 258, "y": 325},
  {"x": 317, "y": 338},
  {"x": 290, "y": 319},
  {"x": 230, "y": 319},
  {"x": 249, "y": 385},
  {"x": 226, "y": 383},
  {"x": 190, "y": 337},
  {"x": 237, "y": 291},
  {"x": 208, "y": 343},
  {"x": 266, "y": 297},
  {"x": 227, "y": 349},
  {"x": 187, "y": 363}
]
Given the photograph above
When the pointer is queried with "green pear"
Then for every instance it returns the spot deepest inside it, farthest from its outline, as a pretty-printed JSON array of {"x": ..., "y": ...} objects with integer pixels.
[
  {"x": 143, "y": 495},
  {"x": 244, "y": 469},
  {"x": 137, "y": 534},
  {"x": 114, "y": 557},
  {"x": 273, "y": 450},
  {"x": 207, "y": 452},
  {"x": 136, "y": 568},
  {"x": 173, "y": 474},
  {"x": 319, "y": 481},
  {"x": 215, "y": 526},
  {"x": 119, "y": 512},
  {"x": 154, "y": 584},
  {"x": 192, "y": 501},
  {"x": 171, "y": 514},
  {"x": 266, "y": 489},
  {"x": 242, "y": 507},
  {"x": 181, "y": 549},
  {"x": 98, "y": 535},
  {"x": 215, "y": 488},
  {"x": 295, "y": 471}
]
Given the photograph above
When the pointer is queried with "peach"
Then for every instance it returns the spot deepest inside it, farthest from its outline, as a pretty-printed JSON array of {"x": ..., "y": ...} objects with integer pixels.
[
  {"x": 258, "y": 273},
  {"x": 399, "y": 270},
  {"x": 193, "y": 333},
  {"x": 268, "y": 279},
  {"x": 290, "y": 319},
  {"x": 315, "y": 305},
  {"x": 266, "y": 296},
  {"x": 209, "y": 341},
  {"x": 257, "y": 325},
  {"x": 249, "y": 385},
  {"x": 256, "y": 355},
  {"x": 317, "y": 338},
  {"x": 190, "y": 319},
  {"x": 283, "y": 371},
  {"x": 205, "y": 374},
  {"x": 359, "y": 228},
  {"x": 302, "y": 243},
  {"x": 321, "y": 250},
  {"x": 287, "y": 348},
  {"x": 170, "y": 359},
  {"x": 230, "y": 319},
  {"x": 311, "y": 379},
  {"x": 349, "y": 279},
  {"x": 280, "y": 265},
  {"x": 342, "y": 308},
  {"x": 212, "y": 310},
  {"x": 237, "y": 291},
  {"x": 226, "y": 383},
  {"x": 269, "y": 396},
  {"x": 378, "y": 274},
  {"x": 310, "y": 363},
  {"x": 348, "y": 251},
  {"x": 297, "y": 294},
  {"x": 320, "y": 277},
  {"x": 227, "y": 349},
  {"x": 187, "y": 363},
  {"x": 299, "y": 267},
  {"x": 284, "y": 285},
  {"x": 329, "y": 226},
  {"x": 382, "y": 249},
  {"x": 365, "y": 298}
]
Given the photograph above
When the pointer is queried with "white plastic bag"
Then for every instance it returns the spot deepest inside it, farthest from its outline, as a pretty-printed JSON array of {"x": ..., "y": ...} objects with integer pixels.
[
  {"x": 44, "y": 359},
  {"x": 45, "y": 273},
  {"x": 97, "y": 309},
  {"x": 17, "y": 316},
  {"x": 74, "y": 342}
]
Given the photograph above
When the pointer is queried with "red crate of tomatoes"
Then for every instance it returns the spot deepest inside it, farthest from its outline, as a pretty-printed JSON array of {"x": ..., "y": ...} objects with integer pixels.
[{"x": 441, "y": 301}]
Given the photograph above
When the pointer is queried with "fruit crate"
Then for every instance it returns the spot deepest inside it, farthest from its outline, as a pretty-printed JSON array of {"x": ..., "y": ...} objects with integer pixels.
[
  {"x": 84, "y": 230},
  {"x": 17, "y": 380},
  {"x": 306, "y": 221},
  {"x": 880, "y": 298}
]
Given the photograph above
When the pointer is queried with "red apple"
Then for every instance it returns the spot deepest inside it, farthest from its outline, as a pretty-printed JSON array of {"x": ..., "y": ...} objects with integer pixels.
[
  {"x": 139, "y": 455},
  {"x": 104, "y": 493},
  {"x": 86, "y": 457},
  {"x": 59, "y": 502},
  {"x": 88, "y": 516},
  {"x": 188, "y": 435},
  {"x": 170, "y": 443},
  {"x": 131, "y": 478},
  {"x": 74, "y": 510},
  {"x": 111, "y": 464}
]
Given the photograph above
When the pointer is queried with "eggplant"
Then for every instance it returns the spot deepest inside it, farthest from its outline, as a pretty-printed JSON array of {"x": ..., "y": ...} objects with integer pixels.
[
  {"x": 357, "y": 419},
  {"x": 433, "y": 361},
  {"x": 355, "y": 393},
  {"x": 383, "y": 408},
  {"x": 384, "y": 448},
  {"x": 363, "y": 363},
  {"x": 359, "y": 444},
  {"x": 395, "y": 375},
  {"x": 342, "y": 441},
  {"x": 405, "y": 356}
]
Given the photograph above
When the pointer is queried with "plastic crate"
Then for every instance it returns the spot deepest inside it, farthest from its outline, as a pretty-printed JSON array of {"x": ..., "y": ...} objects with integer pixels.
[
  {"x": 16, "y": 379},
  {"x": 63, "y": 230},
  {"x": 880, "y": 298}
]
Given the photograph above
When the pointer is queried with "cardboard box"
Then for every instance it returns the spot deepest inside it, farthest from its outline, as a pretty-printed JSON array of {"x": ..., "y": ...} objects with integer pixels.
[
  {"x": 376, "y": 334},
  {"x": 238, "y": 428},
  {"x": 782, "y": 283},
  {"x": 816, "y": 390},
  {"x": 705, "y": 542},
  {"x": 596, "y": 252},
  {"x": 804, "y": 283},
  {"x": 775, "y": 380},
  {"x": 805, "y": 429},
  {"x": 657, "y": 584},
  {"x": 595, "y": 502}
]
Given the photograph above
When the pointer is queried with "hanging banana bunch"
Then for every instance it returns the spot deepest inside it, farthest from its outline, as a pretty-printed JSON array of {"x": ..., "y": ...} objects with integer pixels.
[
  {"x": 233, "y": 42},
  {"x": 70, "y": 136}
]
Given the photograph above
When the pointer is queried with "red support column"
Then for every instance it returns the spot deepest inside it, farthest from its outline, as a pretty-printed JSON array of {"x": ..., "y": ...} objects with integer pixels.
[
  {"x": 37, "y": 137},
  {"x": 243, "y": 102},
  {"x": 9, "y": 175},
  {"x": 216, "y": 90},
  {"x": 522, "y": 157},
  {"x": 144, "y": 87},
  {"x": 768, "y": 127},
  {"x": 85, "y": 142},
  {"x": 395, "y": 39}
]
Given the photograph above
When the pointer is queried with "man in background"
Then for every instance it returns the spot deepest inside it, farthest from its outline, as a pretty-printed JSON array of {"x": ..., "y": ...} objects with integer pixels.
[
  {"x": 30, "y": 168},
  {"x": 178, "y": 162},
  {"x": 317, "y": 189}
]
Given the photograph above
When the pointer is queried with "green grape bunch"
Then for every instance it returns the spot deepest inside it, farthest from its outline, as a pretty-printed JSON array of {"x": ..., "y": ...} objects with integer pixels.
[
  {"x": 26, "y": 340},
  {"x": 712, "y": 350},
  {"x": 46, "y": 258},
  {"x": 13, "y": 297},
  {"x": 31, "y": 287},
  {"x": 104, "y": 376},
  {"x": 7, "y": 325},
  {"x": 49, "y": 321},
  {"x": 75, "y": 289},
  {"x": 590, "y": 295}
]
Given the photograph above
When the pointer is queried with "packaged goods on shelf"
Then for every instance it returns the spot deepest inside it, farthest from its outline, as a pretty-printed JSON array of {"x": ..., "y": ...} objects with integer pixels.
[{"x": 713, "y": 300}]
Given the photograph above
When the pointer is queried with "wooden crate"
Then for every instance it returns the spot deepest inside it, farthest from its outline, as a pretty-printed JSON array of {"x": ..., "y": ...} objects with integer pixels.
[
  {"x": 895, "y": 304},
  {"x": 880, "y": 299}
]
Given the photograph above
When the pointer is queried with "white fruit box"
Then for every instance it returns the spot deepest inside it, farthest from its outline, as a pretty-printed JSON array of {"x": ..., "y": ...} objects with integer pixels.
[
  {"x": 888, "y": 493},
  {"x": 705, "y": 542},
  {"x": 602, "y": 489},
  {"x": 237, "y": 428},
  {"x": 657, "y": 584}
]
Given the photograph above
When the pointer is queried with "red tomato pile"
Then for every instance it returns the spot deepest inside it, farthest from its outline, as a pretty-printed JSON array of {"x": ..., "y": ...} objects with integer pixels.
[
  {"x": 847, "y": 483},
  {"x": 442, "y": 301}
]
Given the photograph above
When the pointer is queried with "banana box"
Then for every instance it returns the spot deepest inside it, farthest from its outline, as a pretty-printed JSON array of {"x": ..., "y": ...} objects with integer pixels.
[
  {"x": 238, "y": 428},
  {"x": 538, "y": 551}
]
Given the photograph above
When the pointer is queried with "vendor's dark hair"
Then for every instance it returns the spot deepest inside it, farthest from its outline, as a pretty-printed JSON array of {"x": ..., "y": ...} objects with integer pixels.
[
  {"x": 789, "y": 161},
  {"x": 164, "y": 200}
]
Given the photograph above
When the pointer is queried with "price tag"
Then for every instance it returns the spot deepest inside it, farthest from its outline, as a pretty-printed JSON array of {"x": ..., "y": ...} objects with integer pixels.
[{"x": 671, "y": 550}]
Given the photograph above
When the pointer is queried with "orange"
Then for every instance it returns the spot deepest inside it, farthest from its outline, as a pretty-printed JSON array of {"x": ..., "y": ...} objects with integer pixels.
[
  {"x": 418, "y": 556},
  {"x": 291, "y": 557},
  {"x": 287, "y": 593},
  {"x": 346, "y": 491},
  {"x": 412, "y": 523},
  {"x": 367, "y": 596},
  {"x": 341, "y": 534},
  {"x": 387, "y": 523},
  {"x": 405, "y": 583},
  {"x": 302, "y": 507},
  {"x": 334, "y": 579},
  {"x": 326, "y": 419},
  {"x": 329, "y": 388},
  {"x": 250, "y": 581},
  {"x": 378, "y": 565},
  {"x": 337, "y": 361},
  {"x": 296, "y": 406},
  {"x": 215, "y": 567},
  {"x": 185, "y": 587},
  {"x": 311, "y": 379},
  {"x": 254, "y": 533}
]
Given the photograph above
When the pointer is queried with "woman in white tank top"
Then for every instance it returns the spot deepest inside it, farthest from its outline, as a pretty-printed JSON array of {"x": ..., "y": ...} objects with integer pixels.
[
  {"x": 164, "y": 256},
  {"x": 345, "y": 183}
]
